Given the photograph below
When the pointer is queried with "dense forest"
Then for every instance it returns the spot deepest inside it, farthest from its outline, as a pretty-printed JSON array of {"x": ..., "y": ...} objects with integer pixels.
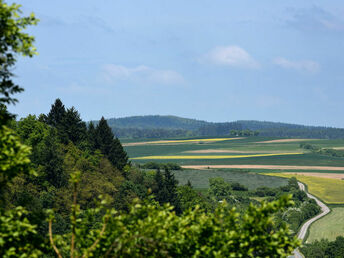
[{"x": 172, "y": 126}]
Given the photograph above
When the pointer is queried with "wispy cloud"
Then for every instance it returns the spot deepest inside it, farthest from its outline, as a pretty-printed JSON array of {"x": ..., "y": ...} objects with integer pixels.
[
  {"x": 301, "y": 65},
  {"x": 315, "y": 19},
  {"x": 141, "y": 73},
  {"x": 234, "y": 56}
]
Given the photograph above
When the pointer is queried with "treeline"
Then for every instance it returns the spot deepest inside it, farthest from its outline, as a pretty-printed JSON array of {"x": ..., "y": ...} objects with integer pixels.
[
  {"x": 322, "y": 151},
  {"x": 154, "y": 133},
  {"x": 216, "y": 129},
  {"x": 155, "y": 165},
  {"x": 172, "y": 126},
  {"x": 324, "y": 248},
  {"x": 243, "y": 133}
]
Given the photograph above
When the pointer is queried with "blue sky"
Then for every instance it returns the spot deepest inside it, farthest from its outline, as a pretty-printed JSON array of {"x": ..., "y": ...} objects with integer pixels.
[{"x": 218, "y": 60}]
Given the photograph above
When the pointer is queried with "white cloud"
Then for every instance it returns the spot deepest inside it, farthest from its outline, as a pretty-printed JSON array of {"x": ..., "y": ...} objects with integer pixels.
[
  {"x": 231, "y": 56},
  {"x": 141, "y": 73},
  {"x": 302, "y": 65}
]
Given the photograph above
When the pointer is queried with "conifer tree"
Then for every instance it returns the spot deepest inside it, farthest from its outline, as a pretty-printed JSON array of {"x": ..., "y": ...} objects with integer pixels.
[
  {"x": 57, "y": 114},
  {"x": 52, "y": 161},
  {"x": 75, "y": 128},
  {"x": 110, "y": 146},
  {"x": 171, "y": 185},
  {"x": 91, "y": 135}
]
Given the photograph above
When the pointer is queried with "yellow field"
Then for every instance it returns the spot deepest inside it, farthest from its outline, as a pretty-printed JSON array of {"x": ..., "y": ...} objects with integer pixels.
[
  {"x": 328, "y": 189},
  {"x": 216, "y": 156}
]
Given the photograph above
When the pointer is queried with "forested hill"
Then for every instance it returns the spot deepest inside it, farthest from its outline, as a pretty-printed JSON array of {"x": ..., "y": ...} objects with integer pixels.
[
  {"x": 172, "y": 126},
  {"x": 153, "y": 122}
]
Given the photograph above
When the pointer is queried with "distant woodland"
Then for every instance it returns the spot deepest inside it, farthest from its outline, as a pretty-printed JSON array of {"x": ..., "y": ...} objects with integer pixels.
[{"x": 173, "y": 127}]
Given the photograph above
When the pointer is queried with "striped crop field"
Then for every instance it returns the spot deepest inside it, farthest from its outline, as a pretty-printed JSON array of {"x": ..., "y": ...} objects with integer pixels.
[
  {"x": 214, "y": 156},
  {"x": 329, "y": 190}
]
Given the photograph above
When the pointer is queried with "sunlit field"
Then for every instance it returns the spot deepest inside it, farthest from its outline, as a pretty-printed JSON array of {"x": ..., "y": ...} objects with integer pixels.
[
  {"x": 329, "y": 190},
  {"x": 330, "y": 226}
]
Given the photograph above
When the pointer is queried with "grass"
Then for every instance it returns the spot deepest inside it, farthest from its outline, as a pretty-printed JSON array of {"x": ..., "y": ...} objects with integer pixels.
[
  {"x": 330, "y": 226},
  {"x": 329, "y": 190},
  {"x": 200, "y": 178},
  {"x": 214, "y": 156}
]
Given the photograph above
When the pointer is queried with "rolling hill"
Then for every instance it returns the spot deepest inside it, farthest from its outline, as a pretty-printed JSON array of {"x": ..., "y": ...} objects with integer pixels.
[{"x": 156, "y": 126}]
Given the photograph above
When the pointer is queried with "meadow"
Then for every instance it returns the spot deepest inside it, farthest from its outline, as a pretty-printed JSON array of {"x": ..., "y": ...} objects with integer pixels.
[
  {"x": 330, "y": 226},
  {"x": 200, "y": 179}
]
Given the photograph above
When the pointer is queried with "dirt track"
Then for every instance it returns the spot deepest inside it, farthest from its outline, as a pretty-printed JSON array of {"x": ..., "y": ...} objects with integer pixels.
[
  {"x": 265, "y": 167},
  {"x": 302, "y": 233}
]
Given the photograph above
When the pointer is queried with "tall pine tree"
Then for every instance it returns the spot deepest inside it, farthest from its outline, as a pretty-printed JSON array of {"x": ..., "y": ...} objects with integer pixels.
[
  {"x": 57, "y": 114},
  {"x": 110, "y": 146},
  {"x": 74, "y": 127}
]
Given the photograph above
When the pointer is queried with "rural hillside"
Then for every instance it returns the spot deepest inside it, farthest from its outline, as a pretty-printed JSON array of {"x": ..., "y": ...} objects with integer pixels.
[{"x": 156, "y": 126}]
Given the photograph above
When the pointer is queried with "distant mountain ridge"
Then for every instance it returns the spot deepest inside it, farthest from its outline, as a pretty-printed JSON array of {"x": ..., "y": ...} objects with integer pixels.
[{"x": 157, "y": 126}]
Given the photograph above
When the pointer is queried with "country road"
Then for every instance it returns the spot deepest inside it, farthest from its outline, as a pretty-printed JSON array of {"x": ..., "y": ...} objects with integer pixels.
[{"x": 305, "y": 226}]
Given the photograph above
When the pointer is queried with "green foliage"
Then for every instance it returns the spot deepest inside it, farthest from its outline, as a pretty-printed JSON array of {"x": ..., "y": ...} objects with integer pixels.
[
  {"x": 13, "y": 156},
  {"x": 190, "y": 198},
  {"x": 18, "y": 238},
  {"x": 150, "y": 230},
  {"x": 324, "y": 248},
  {"x": 219, "y": 189},
  {"x": 13, "y": 41}
]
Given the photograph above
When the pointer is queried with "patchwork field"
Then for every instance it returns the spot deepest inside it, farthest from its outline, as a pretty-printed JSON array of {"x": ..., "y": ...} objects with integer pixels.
[
  {"x": 330, "y": 226},
  {"x": 234, "y": 151}
]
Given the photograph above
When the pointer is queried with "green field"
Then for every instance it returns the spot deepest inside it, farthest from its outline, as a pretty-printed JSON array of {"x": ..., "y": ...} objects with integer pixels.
[
  {"x": 200, "y": 178},
  {"x": 330, "y": 226}
]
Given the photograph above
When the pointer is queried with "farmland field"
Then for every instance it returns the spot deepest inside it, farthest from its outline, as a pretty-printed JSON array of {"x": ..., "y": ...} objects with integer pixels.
[
  {"x": 228, "y": 151},
  {"x": 256, "y": 154},
  {"x": 330, "y": 226}
]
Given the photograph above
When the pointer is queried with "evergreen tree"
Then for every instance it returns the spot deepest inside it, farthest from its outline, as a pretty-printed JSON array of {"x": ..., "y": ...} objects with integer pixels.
[
  {"x": 75, "y": 128},
  {"x": 119, "y": 156},
  {"x": 56, "y": 118},
  {"x": 166, "y": 189},
  {"x": 171, "y": 185},
  {"x": 104, "y": 137},
  {"x": 52, "y": 161},
  {"x": 57, "y": 114},
  {"x": 91, "y": 135},
  {"x": 110, "y": 146}
]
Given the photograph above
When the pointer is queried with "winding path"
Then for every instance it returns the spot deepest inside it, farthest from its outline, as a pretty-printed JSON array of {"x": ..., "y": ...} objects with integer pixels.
[{"x": 305, "y": 226}]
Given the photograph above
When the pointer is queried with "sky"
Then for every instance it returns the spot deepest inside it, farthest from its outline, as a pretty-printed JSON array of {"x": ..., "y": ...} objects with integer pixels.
[{"x": 218, "y": 60}]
